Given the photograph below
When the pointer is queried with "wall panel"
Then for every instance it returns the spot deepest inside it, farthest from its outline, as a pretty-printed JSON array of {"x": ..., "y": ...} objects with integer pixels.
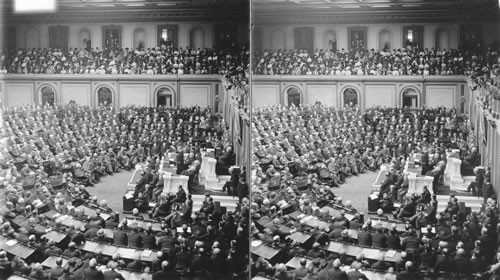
[
  {"x": 265, "y": 95},
  {"x": 17, "y": 94},
  {"x": 441, "y": 95},
  {"x": 80, "y": 93},
  {"x": 194, "y": 95},
  {"x": 380, "y": 95},
  {"x": 134, "y": 94},
  {"x": 326, "y": 94}
]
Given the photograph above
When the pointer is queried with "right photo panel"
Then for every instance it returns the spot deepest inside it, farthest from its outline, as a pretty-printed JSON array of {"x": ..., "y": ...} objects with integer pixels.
[{"x": 375, "y": 147}]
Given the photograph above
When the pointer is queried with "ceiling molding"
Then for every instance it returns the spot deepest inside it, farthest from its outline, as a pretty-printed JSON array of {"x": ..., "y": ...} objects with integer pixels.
[
  {"x": 130, "y": 16},
  {"x": 358, "y": 17}
]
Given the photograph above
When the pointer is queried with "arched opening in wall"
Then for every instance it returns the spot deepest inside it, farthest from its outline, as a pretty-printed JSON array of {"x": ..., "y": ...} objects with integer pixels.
[
  {"x": 104, "y": 96},
  {"x": 410, "y": 98},
  {"x": 164, "y": 97},
  {"x": 84, "y": 39},
  {"x": 293, "y": 96},
  {"x": 197, "y": 38},
  {"x": 32, "y": 38},
  {"x": 350, "y": 97},
  {"x": 384, "y": 38},
  {"x": 139, "y": 38},
  {"x": 331, "y": 40},
  {"x": 277, "y": 40},
  {"x": 48, "y": 96},
  {"x": 442, "y": 39}
]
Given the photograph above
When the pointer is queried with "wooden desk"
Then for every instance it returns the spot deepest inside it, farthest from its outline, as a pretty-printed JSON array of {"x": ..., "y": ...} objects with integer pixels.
[
  {"x": 300, "y": 237},
  {"x": 355, "y": 250},
  {"x": 141, "y": 223},
  {"x": 55, "y": 236},
  {"x": 89, "y": 211},
  {"x": 16, "y": 248},
  {"x": 263, "y": 250},
  {"x": 295, "y": 262},
  {"x": 126, "y": 253},
  {"x": 50, "y": 262}
]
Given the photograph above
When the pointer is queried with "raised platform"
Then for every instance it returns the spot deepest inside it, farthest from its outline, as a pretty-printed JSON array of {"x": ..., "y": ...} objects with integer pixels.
[
  {"x": 474, "y": 202},
  {"x": 213, "y": 188}
]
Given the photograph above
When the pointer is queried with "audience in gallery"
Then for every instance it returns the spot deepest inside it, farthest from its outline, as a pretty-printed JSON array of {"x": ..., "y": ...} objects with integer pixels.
[
  {"x": 52, "y": 153},
  {"x": 301, "y": 153},
  {"x": 157, "y": 60},
  {"x": 396, "y": 62}
]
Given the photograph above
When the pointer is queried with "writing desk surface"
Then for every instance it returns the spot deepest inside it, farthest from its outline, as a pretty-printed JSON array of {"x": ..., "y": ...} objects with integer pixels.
[
  {"x": 265, "y": 251},
  {"x": 127, "y": 253},
  {"x": 300, "y": 237},
  {"x": 20, "y": 250},
  {"x": 152, "y": 257},
  {"x": 89, "y": 246},
  {"x": 20, "y": 221},
  {"x": 106, "y": 249},
  {"x": 18, "y": 277},
  {"x": 124, "y": 273},
  {"x": 55, "y": 236},
  {"x": 51, "y": 262},
  {"x": 52, "y": 214},
  {"x": 109, "y": 233},
  {"x": 295, "y": 262},
  {"x": 265, "y": 221},
  {"x": 295, "y": 215}
]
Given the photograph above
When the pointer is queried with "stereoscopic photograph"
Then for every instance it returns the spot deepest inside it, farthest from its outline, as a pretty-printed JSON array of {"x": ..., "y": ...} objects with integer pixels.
[
  {"x": 375, "y": 148},
  {"x": 125, "y": 139}
]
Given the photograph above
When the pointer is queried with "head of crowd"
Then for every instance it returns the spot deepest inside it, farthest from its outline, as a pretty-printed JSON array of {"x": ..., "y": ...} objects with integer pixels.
[
  {"x": 301, "y": 154},
  {"x": 395, "y": 62},
  {"x": 53, "y": 154}
]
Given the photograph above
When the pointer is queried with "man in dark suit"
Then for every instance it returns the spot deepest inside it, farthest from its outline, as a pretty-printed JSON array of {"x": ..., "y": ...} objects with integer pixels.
[
  {"x": 335, "y": 273},
  {"x": 379, "y": 240},
  {"x": 300, "y": 272},
  {"x": 424, "y": 161},
  {"x": 364, "y": 237},
  {"x": 355, "y": 274}
]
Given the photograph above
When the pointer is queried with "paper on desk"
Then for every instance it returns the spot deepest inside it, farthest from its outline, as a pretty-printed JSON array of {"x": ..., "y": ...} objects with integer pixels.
[
  {"x": 373, "y": 196},
  {"x": 256, "y": 243},
  {"x": 179, "y": 229},
  {"x": 307, "y": 218},
  {"x": 390, "y": 254},
  {"x": 11, "y": 242},
  {"x": 146, "y": 253},
  {"x": 128, "y": 196}
]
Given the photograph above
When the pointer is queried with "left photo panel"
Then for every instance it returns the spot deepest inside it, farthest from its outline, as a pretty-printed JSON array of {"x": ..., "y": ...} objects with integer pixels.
[{"x": 124, "y": 139}]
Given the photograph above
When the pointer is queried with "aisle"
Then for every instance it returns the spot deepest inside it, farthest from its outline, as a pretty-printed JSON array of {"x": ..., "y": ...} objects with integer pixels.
[
  {"x": 111, "y": 188},
  {"x": 356, "y": 189}
]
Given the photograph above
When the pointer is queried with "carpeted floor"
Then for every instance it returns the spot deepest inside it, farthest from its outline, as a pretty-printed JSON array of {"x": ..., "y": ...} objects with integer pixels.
[
  {"x": 112, "y": 188},
  {"x": 356, "y": 189}
]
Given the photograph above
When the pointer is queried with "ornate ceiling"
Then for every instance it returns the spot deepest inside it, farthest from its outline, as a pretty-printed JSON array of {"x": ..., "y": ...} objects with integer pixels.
[
  {"x": 360, "y": 11},
  {"x": 132, "y": 10}
]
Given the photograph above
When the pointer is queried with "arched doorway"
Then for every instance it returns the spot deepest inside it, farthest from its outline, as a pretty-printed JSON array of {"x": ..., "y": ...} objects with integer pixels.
[
  {"x": 277, "y": 40},
  {"x": 331, "y": 40},
  {"x": 384, "y": 38},
  {"x": 32, "y": 38},
  {"x": 410, "y": 98},
  {"x": 48, "y": 96},
  {"x": 293, "y": 96},
  {"x": 164, "y": 97},
  {"x": 104, "y": 96},
  {"x": 350, "y": 97},
  {"x": 84, "y": 39},
  {"x": 139, "y": 38},
  {"x": 197, "y": 38},
  {"x": 442, "y": 39}
]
